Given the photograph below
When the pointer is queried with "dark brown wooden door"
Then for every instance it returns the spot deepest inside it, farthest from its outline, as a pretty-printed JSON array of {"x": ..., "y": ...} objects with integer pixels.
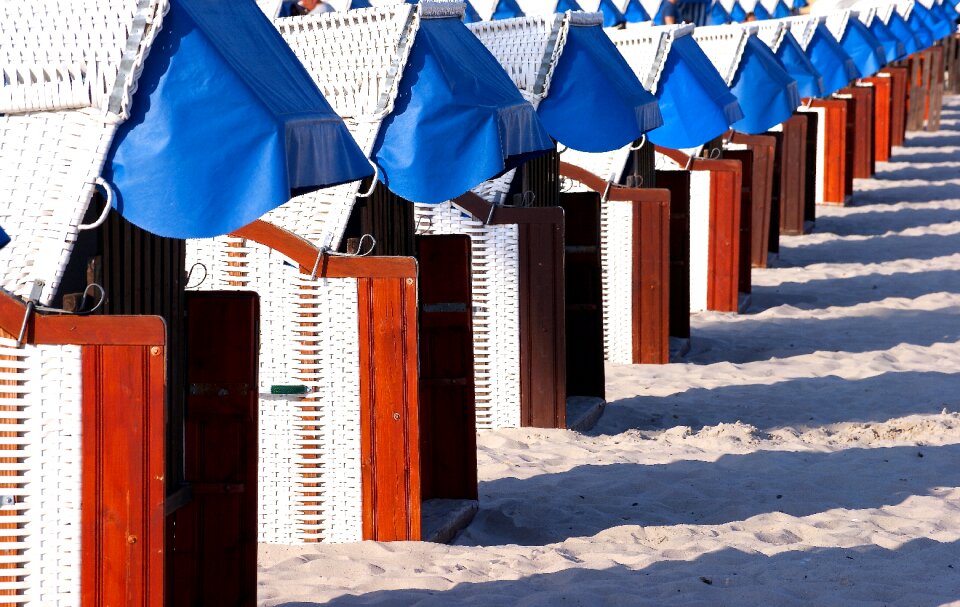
[
  {"x": 748, "y": 192},
  {"x": 678, "y": 182},
  {"x": 810, "y": 176},
  {"x": 861, "y": 115},
  {"x": 585, "y": 374},
  {"x": 448, "y": 437},
  {"x": 792, "y": 175},
  {"x": 214, "y": 537}
]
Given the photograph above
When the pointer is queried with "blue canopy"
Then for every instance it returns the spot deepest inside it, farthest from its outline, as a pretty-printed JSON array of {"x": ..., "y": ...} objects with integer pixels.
[
  {"x": 904, "y": 33},
  {"x": 225, "y": 123},
  {"x": 506, "y": 9},
  {"x": 833, "y": 63},
  {"x": 738, "y": 13},
  {"x": 798, "y": 65},
  {"x": 924, "y": 35},
  {"x": 767, "y": 93},
  {"x": 695, "y": 103},
  {"x": 635, "y": 13},
  {"x": 760, "y": 12},
  {"x": 567, "y": 5},
  {"x": 595, "y": 102},
  {"x": 863, "y": 47},
  {"x": 893, "y": 48},
  {"x": 359, "y": 4},
  {"x": 718, "y": 14},
  {"x": 458, "y": 119},
  {"x": 935, "y": 21},
  {"x": 798, "y": 4},
  {"x": 4, "y": 239},
  {"x": 949, "y": 10},
  {"x": 781, "y": 10},
  {"x": 471, "y": 15},
  {"x": 612, "y": 16}
]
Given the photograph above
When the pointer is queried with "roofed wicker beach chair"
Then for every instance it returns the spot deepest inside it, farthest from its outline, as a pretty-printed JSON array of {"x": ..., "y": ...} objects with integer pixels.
[
  {"x": 69, "y": 72},
  {"x": 312, "y": 325}
]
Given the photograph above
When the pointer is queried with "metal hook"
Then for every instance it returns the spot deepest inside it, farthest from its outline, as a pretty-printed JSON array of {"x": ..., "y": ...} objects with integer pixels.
[
  {"x": 106, "y": 208},
  {"x": 643, "y": 141},
  {"x": 373, "y": 184}
]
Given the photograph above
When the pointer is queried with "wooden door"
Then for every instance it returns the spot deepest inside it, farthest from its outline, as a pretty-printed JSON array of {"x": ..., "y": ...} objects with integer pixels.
[
  {"x": 723, "y": 262},
  {"x": 651, "y": 281},
  {"x": 214, "y": 537},
  {"x": 810, "y": 175},
  {"x": 448, "y": 438},
  {"x": 748, "y": 192},
  {"x": 792, "y": 161},
  {"x": 835, "y": 152},
  {"x": 935, "y": 88},
  {"x": 861, "y": 117},
  {"x": 899, "y": 84},
  {"x": 882, "y": 114},
  {"x": 584, "y": 304},
  {"x": 678, "y": 183}
]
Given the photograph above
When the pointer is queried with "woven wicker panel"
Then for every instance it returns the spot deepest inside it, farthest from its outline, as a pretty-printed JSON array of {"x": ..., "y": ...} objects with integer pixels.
[
  {"x": 803, "y": 28},
  {"x": 528, "y": 48},
  {"x": 723, "y": 45},
  {"x": 357, "y": 59},
  {"x": 837, "y": 22},
  {"x": 496, "y": 309},
  {"x": 646, "y": 49},
  {"x": 771, "y": 32},
  {"x": 73, "y": 66},
  {"x": 40, "y": 396},
  {"x": 616, "y": 257},
  {"x": 309, "y": 481}
]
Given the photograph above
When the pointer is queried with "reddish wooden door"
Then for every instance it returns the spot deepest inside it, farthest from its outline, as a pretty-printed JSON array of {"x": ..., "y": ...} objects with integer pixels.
[
  {"x": 651, "y": 281},
  {"x": 585, "y": 373},
  {"x": 861, "y": 116},
  {"x": 448, "y": 437},
  {"x": 881, "y": 116},
  {"x": 723, "y": 265},
  {"x": 899, "y": 77},
  {"x": 123, "y": 468},
  {"x": 678, "y": 182},
  {"x": 792, "y": 161},
  {"x": 748, "y": 192},
  {"x": 835, "y": 152},
  {"x": 214, "y": 537}
]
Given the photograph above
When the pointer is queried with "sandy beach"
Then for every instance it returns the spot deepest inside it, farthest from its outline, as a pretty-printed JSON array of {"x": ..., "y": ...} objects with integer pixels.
[{"x": 804, "y": 453}]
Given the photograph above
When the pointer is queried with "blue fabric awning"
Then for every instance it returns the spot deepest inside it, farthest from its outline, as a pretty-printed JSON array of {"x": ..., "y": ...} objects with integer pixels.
[
  {"x": 506, "y": 9},
  {"x": 4, "y": 239},
  {"x": 949, "y": 10},
  {"x": 904, "y": 33},
  {"x": 767, "y": 94},
  {"x": 863, "y": 47},
  {"x": 595, "y": 102},
  {"x": 225, "y": 123},
  {"x": 760, "y": 12},
  {"x": 893, "y": 48},
  {"x": 458, "y": 119},
  {"x": 798, "y": 65},
  {"x": 354, "y": 4},
  {"x": 936, "y": 22},
  {"x": 798, "y": 4},
  {"x": 567, "y": 5},
  {"x": 635, "y": 13},
  {"x": 612, "y": 17},
  {"x": 781, "y": 10},
  {"x": 718, "y": 14},
  {"x": 695, "y": 103},
  {"x": 924, "y": 35},
  {"x": 470, "y": 15},
  {"x": 738, "y": 13},
  {"x": 833, "y": 63}
]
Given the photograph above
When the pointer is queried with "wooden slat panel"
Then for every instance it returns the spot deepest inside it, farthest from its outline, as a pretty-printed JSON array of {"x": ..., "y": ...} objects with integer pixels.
[
  {"x": 678, "y": 183},
  {"x": 389, "y": 409},
  {"x": 761, "y": 180},
  {"x": 584, "y": 327},
  {"x": 448, "y": 438},
  {"x": 793, "y": 172},
  {"x": 123, "y": 472},
  {"x": 723, "y": 265},
  {"x": 810, "y": 175},
  {"x": 882, "y": 113},
  {"x": 748, "y": 192},
  {"x": 543, "y": 366},
  {"x": 934, "y": 100},
  {"x": 862, "y": 119},
  {"x": 388, "y": 218},
  {"x": 651, "y": 280},
  {"x": 834, "y": 179},
  {"x": 899, "y": 77}
]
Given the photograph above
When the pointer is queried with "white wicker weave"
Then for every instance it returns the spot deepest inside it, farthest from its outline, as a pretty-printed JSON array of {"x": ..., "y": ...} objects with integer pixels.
[
  {"x": 837, "y": 21},
  {"x": 646, "y": 49},
  {"x": 772, "y": 32},
  {"x": 69, "y": 70},
  {"x": 617, "y": 259},
  {"x": 723, "y": 45},
  {"x": 308, "y": 336},
  {"x": 495, "y": 280},
  {"x": 42, "y": 411},
  {"x": 270, "y": 8},
  {"x": 803, "y": 28}
]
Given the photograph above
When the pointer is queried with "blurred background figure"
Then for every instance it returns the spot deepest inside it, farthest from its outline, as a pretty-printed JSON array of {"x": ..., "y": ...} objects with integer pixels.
[{"x": 310, "y": 7}]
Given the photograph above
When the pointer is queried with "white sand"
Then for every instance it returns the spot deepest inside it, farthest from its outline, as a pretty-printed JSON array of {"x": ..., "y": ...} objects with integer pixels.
[{"x": 806, "y": 453}]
